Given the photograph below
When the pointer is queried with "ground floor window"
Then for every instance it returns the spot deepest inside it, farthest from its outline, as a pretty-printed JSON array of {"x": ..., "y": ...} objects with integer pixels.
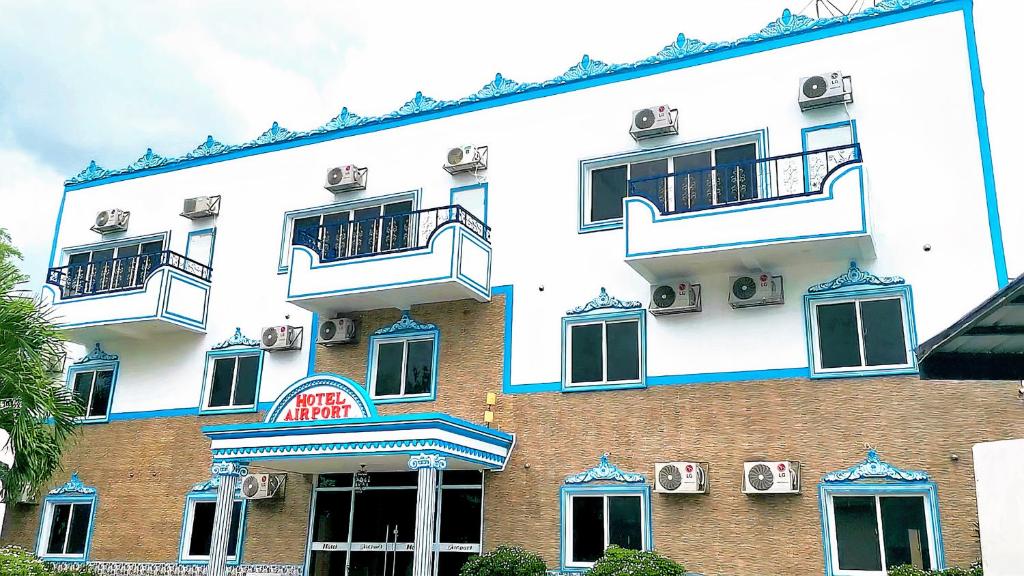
[
  {"x": 67, "y": 529},
  {"x": 197, "y": 533},
  {"x": 876, "y": 532},
  {"x": 599, "y": 521}
]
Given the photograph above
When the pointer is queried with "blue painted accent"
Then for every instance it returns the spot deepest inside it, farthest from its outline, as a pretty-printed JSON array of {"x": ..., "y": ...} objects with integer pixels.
[
  {"x": 351, "y": 387},
  {"x": 192, "y": 497},
  {"x": 465, "y": 236},
  {"x": 604, "y": 300},
  {"x": 404, "y": 330},
  {"x": 236, "y": 339},
  {"x": 73, "y": 492},
  {"x": 207, "y": 379},
  {"x": 167, "y": 314},
  {"x": 738, "y": 376},
  {"x": 850, "y": 125},
  {"x": 314, "y": 331},
  {"x": 213, "y": 242},
  {"x": 96, "y": 361},
  {"x": 437, "y": 447},
  {"x": 605, "y": 471},
  {"x": 567, "y": 491},
  {"x": 452, "y": 201},
  {"x": 601, "y": 317},
  {"x": 782, "y": 203},
  {"x": 788, "y": 30},
  {"x": 97, "y": 355},
  {"x": 872, "y": 477},
  {"x": 56, "y": 228},
  {"x": 759, "y": 137}
]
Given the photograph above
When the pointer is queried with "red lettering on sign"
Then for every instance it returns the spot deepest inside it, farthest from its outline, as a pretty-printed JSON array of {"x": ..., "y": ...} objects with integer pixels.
[
  {"x": 316, "y": 412},
  {"x": 288, "y": 416},
  {"x": 335, "y": 411}
]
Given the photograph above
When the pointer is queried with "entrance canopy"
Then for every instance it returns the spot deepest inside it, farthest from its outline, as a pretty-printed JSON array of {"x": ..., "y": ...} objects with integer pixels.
[
  {"x": 326, "y": 423},
  {"x": 986, "y": 344}
]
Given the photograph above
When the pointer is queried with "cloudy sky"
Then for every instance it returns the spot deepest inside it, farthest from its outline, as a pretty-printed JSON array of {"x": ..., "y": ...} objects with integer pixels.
[{"x": 82, "y": 80}]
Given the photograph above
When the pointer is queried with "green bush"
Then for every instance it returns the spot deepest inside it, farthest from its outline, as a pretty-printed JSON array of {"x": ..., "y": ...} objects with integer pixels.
[
  {"x": 505, "y": 561},
  {"x": 907, "y": 570},
  {"x": 621, "y": 562},
  {"x": 16, "y": 561}
]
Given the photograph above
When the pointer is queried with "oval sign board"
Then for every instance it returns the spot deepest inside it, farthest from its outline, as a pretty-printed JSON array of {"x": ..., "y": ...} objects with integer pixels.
[{"x": 321, "y": 398}]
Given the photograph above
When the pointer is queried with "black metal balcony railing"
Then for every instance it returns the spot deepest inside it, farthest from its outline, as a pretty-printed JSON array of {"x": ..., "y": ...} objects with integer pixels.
[
  {"x": 119, "y": 274},
  {"x": 748, "y": 182},
  {"x": 384, "y": 234}
]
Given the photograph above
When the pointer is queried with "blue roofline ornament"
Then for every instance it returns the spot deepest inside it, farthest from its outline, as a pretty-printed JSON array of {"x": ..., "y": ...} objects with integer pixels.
[
  {"x": 405, "y": 324},
  {"x": 606, "y": 471},
  {"x": 237, "y": 339},
  {"x": 872, "y": 467},
  {"x": 603, "y": 300},
  {"x": 97, "y": 355},
  {"x": 855, "y": 277},
  {"x": 73, "y": 486}
]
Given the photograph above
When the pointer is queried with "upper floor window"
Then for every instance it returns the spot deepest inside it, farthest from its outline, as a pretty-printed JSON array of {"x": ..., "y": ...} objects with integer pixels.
[
  {"x": 92, "y": 380},
  {"x": 854, "y": 330},
  {"x": 603, "y": 349},
  {"x": 67, "y": 521},
  {"x": 655, "y": 176},
  {"x": 232, "y": 379},
  {"x": 403, "y": 361},
  {"x": 109, "y": 267}
]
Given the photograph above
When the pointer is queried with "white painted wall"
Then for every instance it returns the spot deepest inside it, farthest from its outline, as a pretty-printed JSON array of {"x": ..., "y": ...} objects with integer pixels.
[
  {"x": 915, "y": 120},
  {"x": 998, "y": 477}
]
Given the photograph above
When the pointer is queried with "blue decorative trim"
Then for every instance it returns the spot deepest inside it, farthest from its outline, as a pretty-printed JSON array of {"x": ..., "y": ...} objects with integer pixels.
[
  {"x": 311, "y": 363},
  {"x": 228, "y": 469},
  {"x": 482, "y": 185},
  {"x": 603, "y": 300},
  {"x": 850, "y": 125},
  {"x": 502, "y": 90},
  {"x": 873, "y": 467},
  {"x": 405, "y": 324},
  {"x": 212, "y": 233},
  {"x": 321, "y": 450},
  {"x": 73, "y": 486},
  {"x": 72, "y": 492},
  {"x": 433, "y": 461},
  {"x": 97, "y": 355},
  {"x": 237, "y": 339},
  {"x": 855, "y": 277},
  {"x": 605, "y": 471}
]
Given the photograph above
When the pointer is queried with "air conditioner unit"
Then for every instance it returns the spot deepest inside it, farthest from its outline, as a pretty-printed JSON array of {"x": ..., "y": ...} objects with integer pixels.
[
  {"x": 201, "y": 207},
  {"x": 825, "y": 90},
  {"x": 771, "y": 477},
  {"x": 346, "y": 178},
  {"x": 674, "y": 297},
  {"x": 653, "y": 122},
  {"x": 281, "y": 338},
  {"x": 336, "y": 331},
  {"x": 680, "y": 478},
  {"x": 263, "y": 486},
  {"x": 755, "y": 290},
  {"x": 113, "y": 220},
  {"x": 466, "y": 159}
]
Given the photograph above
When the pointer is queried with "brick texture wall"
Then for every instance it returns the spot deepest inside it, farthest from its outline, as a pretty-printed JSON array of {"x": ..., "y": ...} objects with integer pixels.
[{"x": 144, "y": 468}]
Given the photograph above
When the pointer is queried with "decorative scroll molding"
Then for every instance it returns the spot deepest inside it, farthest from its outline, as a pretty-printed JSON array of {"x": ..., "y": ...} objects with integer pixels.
[
  {"x": 434, "y": 461},
  {"x": 405, "y": 324},
  {"x": 606, "y": 471},
  {"x": 174, "y": 569},
  {"x": 855, "y": 277},
  {"x": 874, "y": 467},
  {"x": 603, "y": 300},
  {"x": 72, "y": 487},
  {"x": 237, "y": 339},
  {"x": 682, "y": 48},
  {"x": 228, "y": 469},
  {"x": 97, "y": 355}
]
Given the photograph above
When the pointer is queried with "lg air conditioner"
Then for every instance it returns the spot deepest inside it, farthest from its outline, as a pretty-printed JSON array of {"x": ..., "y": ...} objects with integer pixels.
[
  {"x": 346, "y": 178},
  {"x": 336, "y": 331},
  {"x": 653, "y": 122},
  {"x": 201, "y": 207},
  {"x": 771, "y": 477},
  {"x": 466, "y": 159},
  {"x": 825, "y": 90},
  {"x": 263, "y": 486},
  {"x": 112, "y": 220},
  {"x": 755, "y": 290},
  {"x": 276, "y": 338},
  {"x": 674, "y": 297},
  {"x": 680, "y": 478}
]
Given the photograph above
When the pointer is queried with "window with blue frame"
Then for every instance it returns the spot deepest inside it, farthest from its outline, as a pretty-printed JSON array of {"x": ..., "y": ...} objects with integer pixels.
[
  {"x": 92, "y": 381},
  {"x": 603, "y": 345},
  {"x": 197, "y": 525},
  {"x": 231, "y": 382},
  {"x": 859, "y": 324},
  {"x": 66, "y": 523},
  {"x": 403, "y": 361}
]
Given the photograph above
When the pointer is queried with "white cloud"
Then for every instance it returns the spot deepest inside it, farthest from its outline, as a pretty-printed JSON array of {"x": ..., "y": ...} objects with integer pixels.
[{"x": 28, "y": 210}]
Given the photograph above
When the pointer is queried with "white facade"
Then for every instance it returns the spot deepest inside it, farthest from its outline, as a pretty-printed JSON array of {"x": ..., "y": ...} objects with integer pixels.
[{"x": 998, "y": 473}]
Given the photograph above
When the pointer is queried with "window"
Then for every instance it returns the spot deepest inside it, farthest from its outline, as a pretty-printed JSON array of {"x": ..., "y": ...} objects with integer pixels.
[
  {"x": 874, "y": 532},
  {"x": 597, "y": 518},
  {"x": 197, "y": 532},
  {"x": 232, "y": 381},
  {"x": 605, "y": 182},
  {"x": 869, "y": 331},
  {"x": 603, "y": 350},
  {"x": 403, "y": 362},
  {"x": 92, "y": 390},
  {"x": 66, "y": 522},
  {"x": 108, "y": 267}
]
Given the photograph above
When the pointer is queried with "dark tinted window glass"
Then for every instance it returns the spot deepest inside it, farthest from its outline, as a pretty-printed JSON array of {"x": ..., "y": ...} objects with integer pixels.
[
  {"x": 587, "y": 357},
  {"x": 906, "y": 536},
  {"x": 373, "y": 563},
  {"x": 837, "y": 335},
  {"x": 79, "y": 532},
  {"x": 101, "y": 394},
  {"x": 245, "y": 383},
  {"x": 58, "y": 528},
  {"x": 153, "y": 247},
  {"x": 737, "y": 177},
  {"x": 330, "y": 520},
  {"x": 655, "y": 189},
  {"x": 624, "y": 522},
  {"x": 389, "y": 368},
  {"x": 334, "y": 481},
  {"x": 882, "y": 321},
  {"x": 304, "y": 231},
  {"x": 460, "y": 516},
  {"x": 623, "y": 351},
  {"x": 396, "y": 229},
  {"x": 461, "y": 477},
  {"x": 587, "y": 528},
  {"x": 857, "y": 533},
  {"x": 327, "y": 563},
  {"x": 365, "y": 230},
  {"x": 607, "y": 189},
  {"x": 83, "y": 387},
  {"x": 382, "y": 511},
  {"x": 378, "y": 479},
  {"x": 220, "y": 387},
  {"x": 449, "y": 563},
  {"x": 693, "y": 189},
  {"x": 418, "y": 367},
  {"x": 202, "y": 528},
  {"x": 335, "y": 236},
  {"x": 236, "y": 518}
]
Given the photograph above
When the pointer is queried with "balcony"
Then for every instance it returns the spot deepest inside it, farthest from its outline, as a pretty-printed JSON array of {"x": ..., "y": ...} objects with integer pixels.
[
  {"x": 130, "y": 297},
  {"x": 391, "y": 261},
  {"x": 762, "y": 213}
]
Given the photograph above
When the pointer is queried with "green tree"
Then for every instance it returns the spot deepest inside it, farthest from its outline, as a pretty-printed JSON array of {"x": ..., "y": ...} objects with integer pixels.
[{"x": 36, "y": 410}]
